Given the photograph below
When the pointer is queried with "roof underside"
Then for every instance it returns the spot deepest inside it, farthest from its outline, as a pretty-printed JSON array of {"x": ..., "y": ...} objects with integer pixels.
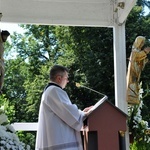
[{"x": 64, "y": 12}]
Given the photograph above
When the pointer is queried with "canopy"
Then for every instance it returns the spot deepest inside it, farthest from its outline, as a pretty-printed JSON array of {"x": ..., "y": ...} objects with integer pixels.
[{"x": 101, "y": 13}]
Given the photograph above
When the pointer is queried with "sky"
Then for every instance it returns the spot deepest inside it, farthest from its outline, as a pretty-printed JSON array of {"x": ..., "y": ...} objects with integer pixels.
[{"x": 11, "y": 27}]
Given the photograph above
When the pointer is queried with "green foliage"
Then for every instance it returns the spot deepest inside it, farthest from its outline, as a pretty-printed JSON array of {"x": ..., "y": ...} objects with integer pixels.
[
  {"x": 34, "y": 91},
  {"x": 9, "y": 109},
  {"x": 27, "y": 137},
  {"x": 137, "y": 24},
  {"x": 16, "y": 72},
  {"x": 94, "y": 49},
  {"x": 138, "y": 126},
  {"x": 139, "y": 145}
]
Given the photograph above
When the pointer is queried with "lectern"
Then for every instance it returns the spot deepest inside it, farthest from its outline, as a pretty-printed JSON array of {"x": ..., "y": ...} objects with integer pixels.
[{"x": 105, "y": 128}]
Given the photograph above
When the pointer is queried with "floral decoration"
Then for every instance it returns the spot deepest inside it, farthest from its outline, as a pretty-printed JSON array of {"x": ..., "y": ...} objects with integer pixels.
[
  {"x": 138, "y": 126},
  {"x": 8, "y": 138}
]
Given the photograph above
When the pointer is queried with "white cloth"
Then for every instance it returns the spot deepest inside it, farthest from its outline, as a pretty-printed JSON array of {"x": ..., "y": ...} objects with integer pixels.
[{"x": 59, "y": 122}]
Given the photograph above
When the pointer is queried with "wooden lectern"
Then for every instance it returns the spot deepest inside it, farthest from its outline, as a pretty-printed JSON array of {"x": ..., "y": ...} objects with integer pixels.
[{"x": 105, "y": 130}]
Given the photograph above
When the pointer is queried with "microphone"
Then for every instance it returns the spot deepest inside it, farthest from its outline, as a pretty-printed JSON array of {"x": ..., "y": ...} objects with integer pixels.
[
  {"x": 98, "y": 103},
  {"x": 79, "y": 85}
]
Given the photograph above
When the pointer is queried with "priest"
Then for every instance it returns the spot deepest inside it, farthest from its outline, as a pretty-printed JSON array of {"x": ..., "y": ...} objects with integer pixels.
[{"x": 60, "y": 121}]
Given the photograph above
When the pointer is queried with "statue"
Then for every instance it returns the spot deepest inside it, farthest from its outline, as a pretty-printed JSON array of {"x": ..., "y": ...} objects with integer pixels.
[
  {"x": 3, "y": 37},
  {"x": 137, "y": 61}
]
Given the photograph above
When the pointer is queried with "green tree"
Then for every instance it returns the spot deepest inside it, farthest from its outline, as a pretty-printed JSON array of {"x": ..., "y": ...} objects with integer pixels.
[{"x": 15, "y": 75}]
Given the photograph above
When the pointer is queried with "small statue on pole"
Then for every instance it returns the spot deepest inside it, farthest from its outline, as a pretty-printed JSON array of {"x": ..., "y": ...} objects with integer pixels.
[
  {"x": 3, "y": 37},
  {"x": 137, "y": 62}
]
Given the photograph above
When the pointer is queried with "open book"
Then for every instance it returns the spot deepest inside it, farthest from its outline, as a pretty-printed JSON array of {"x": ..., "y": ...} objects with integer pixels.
[{"x": 97, "y": 104}]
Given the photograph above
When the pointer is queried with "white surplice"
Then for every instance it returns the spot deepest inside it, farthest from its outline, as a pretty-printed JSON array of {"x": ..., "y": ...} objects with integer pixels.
[{"x": 59, "y": 122}]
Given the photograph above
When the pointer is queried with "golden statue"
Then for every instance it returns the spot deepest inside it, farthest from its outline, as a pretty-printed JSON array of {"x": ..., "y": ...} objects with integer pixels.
[{"x": 137, "y": 61}]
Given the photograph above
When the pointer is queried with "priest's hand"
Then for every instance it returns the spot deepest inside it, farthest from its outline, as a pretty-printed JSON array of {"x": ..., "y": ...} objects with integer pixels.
[{"x": 87, "y": 109}]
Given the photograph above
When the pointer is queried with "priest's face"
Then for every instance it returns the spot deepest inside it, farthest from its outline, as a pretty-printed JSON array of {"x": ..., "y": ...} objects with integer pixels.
[{"x": 64, "y": 80}]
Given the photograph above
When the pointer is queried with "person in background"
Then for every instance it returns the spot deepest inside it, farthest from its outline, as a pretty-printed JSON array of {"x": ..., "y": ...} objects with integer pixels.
[
  {"x": 60, "y": 121},
  {"x": 137, "y": 62},
  {"x": 3, "y": 37}
]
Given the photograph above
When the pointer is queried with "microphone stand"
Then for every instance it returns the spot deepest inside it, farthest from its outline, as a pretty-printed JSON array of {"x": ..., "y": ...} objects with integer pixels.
[{"x": 79, "y": 85}]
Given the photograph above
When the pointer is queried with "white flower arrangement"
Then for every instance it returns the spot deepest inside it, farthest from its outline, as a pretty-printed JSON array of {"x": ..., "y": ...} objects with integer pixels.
[
  {"x": 138, "y": 126},
  {"x": 8, "y": 138}
]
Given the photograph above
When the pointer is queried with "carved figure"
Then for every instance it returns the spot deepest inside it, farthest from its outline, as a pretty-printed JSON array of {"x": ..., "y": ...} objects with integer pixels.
[
  {"x": 3, "y": 37},
  {"x": 137, "y": 61}
]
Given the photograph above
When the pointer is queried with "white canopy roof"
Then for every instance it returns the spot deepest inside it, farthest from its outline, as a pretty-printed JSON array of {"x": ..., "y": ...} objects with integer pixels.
[{"x": 101, "y": 13}]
